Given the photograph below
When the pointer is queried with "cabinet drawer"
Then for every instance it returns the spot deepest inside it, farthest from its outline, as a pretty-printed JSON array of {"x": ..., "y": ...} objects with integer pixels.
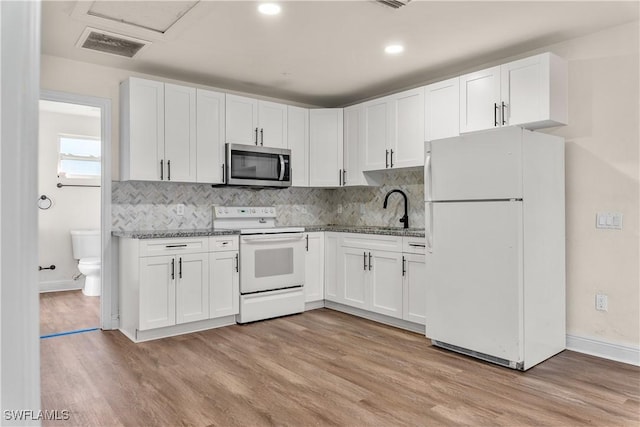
[
  {"x": 223, "y": 243},
  {"x": 372, "y": 242},
  {"x": 151, "y": 247},
  {"x": 413, "y": 245}
]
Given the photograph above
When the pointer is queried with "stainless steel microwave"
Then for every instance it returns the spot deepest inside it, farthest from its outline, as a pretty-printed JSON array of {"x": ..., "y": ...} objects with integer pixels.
[{"x": 257, "y": 166}]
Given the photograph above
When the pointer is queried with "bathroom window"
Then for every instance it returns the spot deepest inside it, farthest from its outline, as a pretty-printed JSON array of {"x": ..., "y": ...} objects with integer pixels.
[{"x": 79, "y": 160}]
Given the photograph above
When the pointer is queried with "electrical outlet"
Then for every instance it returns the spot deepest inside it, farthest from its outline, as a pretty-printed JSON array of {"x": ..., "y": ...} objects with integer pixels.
[
  {"x": 339, "y": 209},
  {"x": 180, "y": 209},
  {"x": 602, "y": 302}
]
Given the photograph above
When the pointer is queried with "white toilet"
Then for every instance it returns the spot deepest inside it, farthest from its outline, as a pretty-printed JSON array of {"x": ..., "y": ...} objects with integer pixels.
[{"x": 86, "y": 249}]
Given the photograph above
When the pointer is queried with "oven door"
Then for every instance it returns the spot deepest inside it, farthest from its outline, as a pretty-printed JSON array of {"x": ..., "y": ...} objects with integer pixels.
[{"x": 271, "y": 261}]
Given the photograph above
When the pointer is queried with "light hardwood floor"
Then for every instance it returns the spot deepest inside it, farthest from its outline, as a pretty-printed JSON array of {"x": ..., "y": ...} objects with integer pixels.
[
  {"x": 68, "y": 311},
  {"x": 321, "y": 368}
]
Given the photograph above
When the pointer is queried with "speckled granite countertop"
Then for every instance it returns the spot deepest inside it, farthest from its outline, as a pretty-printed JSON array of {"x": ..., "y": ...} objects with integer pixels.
[
  {"x": 166, "y": 234},
  {"x": 389, "y": 231}
]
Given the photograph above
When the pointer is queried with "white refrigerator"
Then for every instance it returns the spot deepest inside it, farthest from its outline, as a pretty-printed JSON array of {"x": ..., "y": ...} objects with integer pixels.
[{"x": 495, "y": 231}]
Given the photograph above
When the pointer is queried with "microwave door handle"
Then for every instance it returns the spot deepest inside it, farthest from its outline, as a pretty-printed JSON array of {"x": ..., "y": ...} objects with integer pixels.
[{"x": 281, "y": 174}]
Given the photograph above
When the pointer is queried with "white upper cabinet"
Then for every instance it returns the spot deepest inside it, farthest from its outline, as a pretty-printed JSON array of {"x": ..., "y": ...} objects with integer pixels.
[
  {"x": 394, "y": 131},
  {"x": 534, "y": 91},
  {"x": 142, "y": 129},
  {"x": 530, "y": 92},
  {"x": 179, "y": 133},
  {"x": 480, "y": 100},
  {"x": 298, "y": 142},
  {"x": 442, "y": 109},
  {"x": 253, "y": 122},
  {"x": 210, "y": 107},
  {"x": 353, "y": 143},
  {"x": 325, "y": 147},
  {"x": 408, "y": 127},
  {"x": 377, "y": 133}
]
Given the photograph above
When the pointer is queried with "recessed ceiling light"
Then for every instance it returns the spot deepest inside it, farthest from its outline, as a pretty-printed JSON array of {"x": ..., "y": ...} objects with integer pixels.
[
  {"x": 394, "y": 49},
  {"x": 269, "y": 9}
]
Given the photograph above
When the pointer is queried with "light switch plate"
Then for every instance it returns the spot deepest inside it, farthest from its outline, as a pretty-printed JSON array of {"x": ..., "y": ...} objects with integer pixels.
[{"x": 609, "y": 220}]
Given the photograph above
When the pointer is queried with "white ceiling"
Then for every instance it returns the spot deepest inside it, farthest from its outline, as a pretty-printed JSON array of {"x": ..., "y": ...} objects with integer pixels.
[{"x": 325, "y": 53}]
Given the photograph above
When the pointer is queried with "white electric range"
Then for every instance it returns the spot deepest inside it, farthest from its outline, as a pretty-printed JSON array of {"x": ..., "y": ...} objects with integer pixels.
[{"x": 271, "y": 262}]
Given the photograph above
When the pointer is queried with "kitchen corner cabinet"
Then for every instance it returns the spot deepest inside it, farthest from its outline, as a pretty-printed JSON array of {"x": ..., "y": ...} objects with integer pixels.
[
  {"x": 530, "y": 92},
  {"x": 442, "y": 109},
  {"x": 325, "y": 147},
  {"x": 298, "y": 142},
  {"x": 253, "y": 122},
  {"x": 314, "y": 267},
  {"x": 394, "y": 131}
]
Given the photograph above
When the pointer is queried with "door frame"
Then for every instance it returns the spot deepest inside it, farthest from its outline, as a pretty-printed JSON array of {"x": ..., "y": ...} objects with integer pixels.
[{"x": 107, "y": 319}]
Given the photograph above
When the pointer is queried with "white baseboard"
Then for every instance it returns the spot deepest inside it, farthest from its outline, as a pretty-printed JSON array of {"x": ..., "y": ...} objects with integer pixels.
[
  {"x": 313, "y": 305},
  {"x": 60, "y": 285},
  {"x": 606, "y": 350}
]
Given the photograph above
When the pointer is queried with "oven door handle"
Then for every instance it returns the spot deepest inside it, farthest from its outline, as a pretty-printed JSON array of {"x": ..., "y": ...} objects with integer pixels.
[{"x": 273, "y": 238}]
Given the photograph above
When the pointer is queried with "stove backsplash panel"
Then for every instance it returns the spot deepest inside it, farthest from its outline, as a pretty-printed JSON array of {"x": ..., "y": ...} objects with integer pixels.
[{"x": 142, "y": 205}]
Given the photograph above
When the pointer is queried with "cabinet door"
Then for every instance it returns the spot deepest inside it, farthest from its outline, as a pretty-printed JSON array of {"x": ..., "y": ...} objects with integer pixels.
[
  {"x": 298, "y": 142},
  {"x": 157, "y": 292},
  {"x": 272, "y": 121},
  {"x": 331, "y": 246},
  {"x": 192, "y": 288},
  {"x": 224, "y": 295},
  {"x": 210, "y": 136},
  {"x": 314, "y": 267},
  {"x": 480, "y": 100},
  {"x": 408, "y": 125},
  {"x": 352, "y": 278},
  {"x": 325, "y": 147},
  {"x": 353, "y": 142},
  {"x": 142, "y": 129},
  {"x": 377, "y": 134},
  {"x": 241, "y": 120},
  {"x": 180, "y": 133},
  {"x": 386, "y": 283},
  {"x": 442, "y": 109},
  {"x": 414, "y": 289}
]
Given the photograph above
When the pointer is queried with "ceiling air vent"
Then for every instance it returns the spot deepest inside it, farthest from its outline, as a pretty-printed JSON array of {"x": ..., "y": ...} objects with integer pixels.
[
  {"x": 111, "y": 43},
  {"x": 395, "y": 4}
]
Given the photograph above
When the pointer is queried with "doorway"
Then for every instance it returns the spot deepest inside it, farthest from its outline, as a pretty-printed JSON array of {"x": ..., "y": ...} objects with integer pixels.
[{"x": 74, "y": 214}]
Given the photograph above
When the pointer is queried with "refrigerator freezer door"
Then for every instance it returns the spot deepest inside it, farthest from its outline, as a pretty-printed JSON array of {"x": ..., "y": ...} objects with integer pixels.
[
  {"x": 475, "y": 278},
  {"x": 479, "y": 166}
]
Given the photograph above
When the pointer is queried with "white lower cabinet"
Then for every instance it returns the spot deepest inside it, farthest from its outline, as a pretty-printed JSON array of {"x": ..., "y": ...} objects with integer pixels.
[
  {"x": 377, "y": 273},
  {"x": 178, "y": 285},
  {"x": 314, "y": 267}
]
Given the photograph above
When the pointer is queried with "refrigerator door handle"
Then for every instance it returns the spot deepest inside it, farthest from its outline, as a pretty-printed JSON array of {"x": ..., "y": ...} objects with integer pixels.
[
  {"x": 427, "y": 178},
  {"x": 429, "y": 226}
]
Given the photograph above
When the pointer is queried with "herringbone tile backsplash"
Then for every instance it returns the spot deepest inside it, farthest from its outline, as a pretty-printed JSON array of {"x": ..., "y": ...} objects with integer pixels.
[{"x": 138, "y": 205}]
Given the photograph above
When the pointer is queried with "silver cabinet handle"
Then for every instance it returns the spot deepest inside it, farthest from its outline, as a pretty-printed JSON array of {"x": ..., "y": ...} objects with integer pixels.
[
  {"x": 168, "y": 170},
  {"x": 340, "y": 177},
  {"x": 307, "y": 244},
  {"x": 369, "y": 261},
  {"x": 504, "y": 121},
  {"x": 416, "y": 245},
  {"x": 391, "y": 158},
  {"x": 237, "y": 264},
  {"x": 180, "y": 268},
  {"x": 495, "y": 114},
  {"x": 386, "y": 159},
  {"x": 173, "y": 268},
  {"x": 344, "y": 177},
  {"x": 161, "y": 170},
  {"x": 256, "y": 136},
  {"x": 364, "y": 261},
  {"x": 261, "y": 136},
  {"x": 223, "y": 177},
  {"x": 404, "y": 270},
  {"x": 175, "y": 246}
]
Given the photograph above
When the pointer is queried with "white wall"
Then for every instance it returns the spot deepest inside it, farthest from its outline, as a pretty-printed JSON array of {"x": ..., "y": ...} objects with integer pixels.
[
  {"x": 601, "y": 174},
  {"x": 72, "y": 207}
]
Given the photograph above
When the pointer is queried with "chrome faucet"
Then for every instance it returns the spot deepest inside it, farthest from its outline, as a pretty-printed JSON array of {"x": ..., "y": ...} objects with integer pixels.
[{"x": 405, "y": 218}]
